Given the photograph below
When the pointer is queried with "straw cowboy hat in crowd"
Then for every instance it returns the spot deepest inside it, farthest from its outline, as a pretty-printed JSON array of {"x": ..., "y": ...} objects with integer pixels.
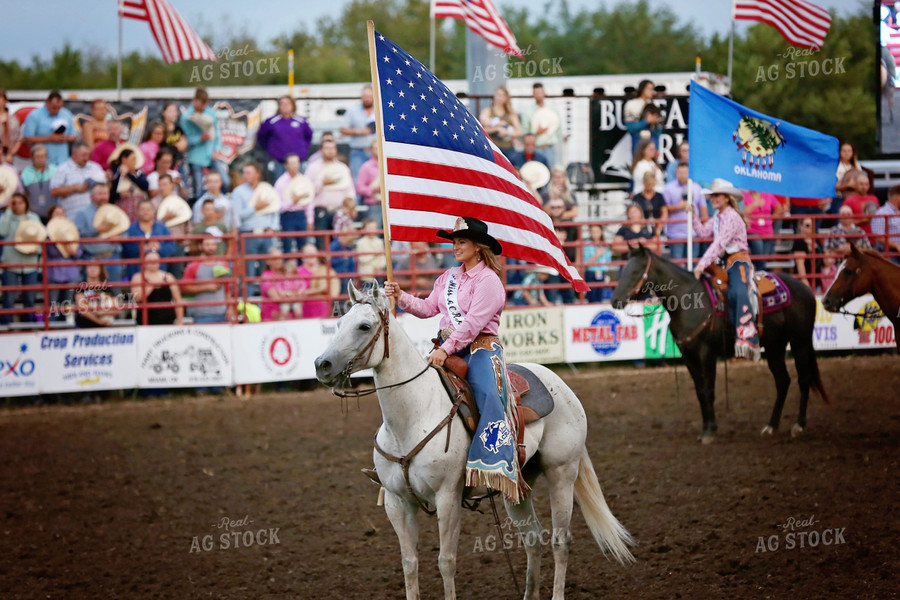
[
  {"x": 300, "y": 190},
  {"x": 544, "y": 117},
  {"x": 64, "y": 232},
  {"x": 337, "y": 171},
  {"x": 472, "y": 229},
  {"x": 127, "y": 146},
  {"x": 535, "y": 174},
  {"x": 9, "y": 182},
  {"x": 265, "y": 192},
  {"x": 28, "y": 236},
  {"x": 112, "y": 214},
  {"x": 178, "y": 206}
]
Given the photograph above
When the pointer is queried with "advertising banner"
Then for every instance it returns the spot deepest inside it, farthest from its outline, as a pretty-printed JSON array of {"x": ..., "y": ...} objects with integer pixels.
[
  {"x": 658, "y": 339},
  {"x": 19, "y": 374},
  {"x": 176, "y": 356},
  {"x": 533, "y": 335},
  {"x": 87, "y": 359},
  {"x": 597, "y": 332},
  {"x": 282, "y": 351},
  {"x": 871, "y": 329}
]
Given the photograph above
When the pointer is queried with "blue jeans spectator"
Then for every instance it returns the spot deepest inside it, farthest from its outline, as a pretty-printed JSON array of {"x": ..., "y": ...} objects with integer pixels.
[
  {"x": 760, "y": 247},
  {"x": 9, "y": 298},
  {"x": 209, "y": 318},
  {"x": 293, "y": 221},
  {"x": 357, "y": 157},
  {"x": 679, "y": 252},
  {"x": 256, "y": 245},
  {"x": 597, "y": 294}
]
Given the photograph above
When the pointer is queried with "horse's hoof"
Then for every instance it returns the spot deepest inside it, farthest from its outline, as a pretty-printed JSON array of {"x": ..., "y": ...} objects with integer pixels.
[
  {"x": 767, "y": 430},
  {"x": 796, "y": 430},
  {"x": 707, "y": 438}
]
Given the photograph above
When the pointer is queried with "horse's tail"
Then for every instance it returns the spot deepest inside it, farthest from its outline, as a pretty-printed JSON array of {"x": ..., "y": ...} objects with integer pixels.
[
  {"x": 816, "y": 378},
  {"x": 606, "y": 529}
]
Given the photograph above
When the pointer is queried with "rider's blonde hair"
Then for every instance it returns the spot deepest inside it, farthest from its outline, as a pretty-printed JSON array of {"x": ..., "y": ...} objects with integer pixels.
[{"x": 490, "y": 259}]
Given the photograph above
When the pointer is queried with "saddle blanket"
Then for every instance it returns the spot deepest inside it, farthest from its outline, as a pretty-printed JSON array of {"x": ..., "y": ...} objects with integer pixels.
[{"x": 776, "y": 300}]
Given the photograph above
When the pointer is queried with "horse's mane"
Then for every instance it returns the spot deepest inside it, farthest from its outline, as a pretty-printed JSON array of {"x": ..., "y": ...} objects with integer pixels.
[{"x": 877, "y": 255}]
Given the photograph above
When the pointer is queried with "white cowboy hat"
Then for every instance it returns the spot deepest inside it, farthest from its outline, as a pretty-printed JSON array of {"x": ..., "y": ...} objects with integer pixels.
[
  {"x": 377, "y": 181},
  {"x": 110, "y": 213},
  {"x": 265, "y": 192},
  {"x": 128, "y": 146},
  {"x": 174, "y": 203},
  {"x": 65, "y": 233},
  {"x": 535, "y": 174},
  {"x": 723, "y": 186},
  {"x": 28, "y": 236},
  {"x": 9, "y": 181},
  {"x": 299, "y": 190},
  {"x": 544, "y": 117},
  {"x": 546, "y": 271},
  {"x": 201, "y": 120},
  {"x": 340, "y": 172}
]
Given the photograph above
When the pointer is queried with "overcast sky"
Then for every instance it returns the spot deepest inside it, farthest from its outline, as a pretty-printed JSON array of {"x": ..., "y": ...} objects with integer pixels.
[{"x": 38, "y": 27}]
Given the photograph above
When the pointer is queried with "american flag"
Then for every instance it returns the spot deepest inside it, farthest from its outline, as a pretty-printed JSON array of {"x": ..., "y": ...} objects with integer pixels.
[
  {"x": 482, "y": 17},
  {"x": 801, "y": 23},
  {"x": 175, "y": 38},
  {"x": 440, "y": 165}
]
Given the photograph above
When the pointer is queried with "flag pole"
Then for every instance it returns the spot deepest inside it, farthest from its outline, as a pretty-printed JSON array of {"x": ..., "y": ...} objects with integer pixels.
[
  {"x": 379, "y": 136},
  {"x": 119, "y": 60},
  {"x": 431, "y": 45},
  {"x": 731, "y": 48},
  {"x": 690, "y": 225}
]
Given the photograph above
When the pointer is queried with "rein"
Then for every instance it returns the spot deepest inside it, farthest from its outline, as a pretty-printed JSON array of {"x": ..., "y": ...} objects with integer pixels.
[{"x": 344, "y": 376}]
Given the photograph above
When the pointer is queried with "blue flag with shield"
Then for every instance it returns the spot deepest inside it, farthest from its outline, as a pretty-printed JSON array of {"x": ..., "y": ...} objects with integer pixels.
[{"x": 758, "y": 152}]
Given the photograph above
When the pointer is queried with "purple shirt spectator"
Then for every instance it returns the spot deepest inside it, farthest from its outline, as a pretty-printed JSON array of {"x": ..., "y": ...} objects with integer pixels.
[
  {"x": 673, "y": 193},
  {"x": 280, "y": 136}
]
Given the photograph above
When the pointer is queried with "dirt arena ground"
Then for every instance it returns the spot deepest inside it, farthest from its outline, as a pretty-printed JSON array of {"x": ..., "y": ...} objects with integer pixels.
[{"x": 105, "y": 501}]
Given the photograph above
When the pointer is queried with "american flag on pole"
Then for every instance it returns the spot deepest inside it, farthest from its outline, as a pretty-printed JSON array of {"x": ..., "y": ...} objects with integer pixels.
[
  {"x": 440, "y": 165},
  {"x": 482, "y": 17},
  {"x": 801, "y": 23},
  {"x": 175, "y": 38}
]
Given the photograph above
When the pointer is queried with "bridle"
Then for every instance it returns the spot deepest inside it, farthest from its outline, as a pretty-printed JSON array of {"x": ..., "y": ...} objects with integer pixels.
[
  {"x": 363, "y": 356},
  {"x": 643, "y": 278},
  {"x": 842, "y": 311}
]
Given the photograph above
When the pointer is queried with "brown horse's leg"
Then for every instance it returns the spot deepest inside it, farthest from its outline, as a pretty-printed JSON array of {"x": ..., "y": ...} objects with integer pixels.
[{"x": 775, "y": 352}]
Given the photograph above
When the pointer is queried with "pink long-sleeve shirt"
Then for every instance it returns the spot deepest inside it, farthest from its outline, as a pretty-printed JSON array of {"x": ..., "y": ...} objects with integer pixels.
[
  {"x": 481, "y": 296},
  {"x": 731, "y": 236}
]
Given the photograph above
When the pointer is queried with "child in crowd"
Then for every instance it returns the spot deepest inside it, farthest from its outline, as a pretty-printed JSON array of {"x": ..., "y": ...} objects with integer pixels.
[
  {"x": 373, "y": 262},
  {"x": 597, "y": 256},
  {"x": 345, "y": 215}
]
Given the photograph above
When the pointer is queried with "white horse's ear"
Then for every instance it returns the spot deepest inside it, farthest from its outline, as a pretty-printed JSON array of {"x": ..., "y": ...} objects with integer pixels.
[{"x": 355, "y": 295}]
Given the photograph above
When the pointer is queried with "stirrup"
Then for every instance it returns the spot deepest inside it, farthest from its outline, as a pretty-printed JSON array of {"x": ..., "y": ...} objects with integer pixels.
[{"x": 372, "y": 474}]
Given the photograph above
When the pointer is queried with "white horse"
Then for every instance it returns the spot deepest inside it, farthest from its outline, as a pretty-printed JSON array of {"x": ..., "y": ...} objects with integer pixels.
[{"x": 414, "y": 403}]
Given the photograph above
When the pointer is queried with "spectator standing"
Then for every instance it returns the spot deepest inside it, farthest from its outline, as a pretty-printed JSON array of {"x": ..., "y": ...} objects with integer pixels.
[
  {"x": 84, "y": 221},
  {"x": 534, "y": 278},
  {"x": 838, "y": 238},
  {"x": 342, "y": 261},
  {"x": 221, "y": 201},
  {"x": 201, "y": 128},
  {"x": 359, "y": 126},
  {"x": 682, "y": 155},
  {"x": 94, "y": 306},
  {"x": 10, "y": 131},
  {"x": 165, "y": 159},
  {"x": 806, "y": 267},
  {"x": 212, "y": 291},
  {"x": 675, "y": 194},
  {"x": 293, "y": 210},
  {"x": 633, "y": 115},
  {"x": 848, "y": 162},
  {"x": 323, "y": 284},
  {"x": 146, "y": 226},
  {"x": 280, "y": 290},
  {"x": 633, "y": 233},
  {"x": 247, "y": 211},
  {"x": 596, "y": 257},
  {"x": 419, "y": 261},
  {"x": 547, "y": 135},
  {"x": 368, "y": 186},
  {"x": 129, "y": 184},
  {"x": 18, "y": 218},
  {"x": 861, "y": 202},
  {"x": 529, "y": 152},
  {"x": 160, "y": 287},
  {"x": 761, "y": 208},
  {"x": 93, "y": 131},
  {"x": 501, "y": 122},
  {"x": 61, "y": 255},
  {"x": 651, "y": 202},
  {"x": 72, "y": 180},
  {"x": 645, "y": 162},
  {"x": 51, "y": 125},
  {"x": 104, "y": 148},
  {"x": 36, "y": 179},
  {"x": 372, "y": 260},
  {"x": 153, "y": 139},
  {"x": 212, "y": 225},
  {"x": 559, "y": 188},
  {"x": 333, "y": 181},
  {"x": 345, "y": 217},
  {"x": 886, "y": 224},
  {"x": 174, "y": 139},
  {"x": 283, "y": 134}
]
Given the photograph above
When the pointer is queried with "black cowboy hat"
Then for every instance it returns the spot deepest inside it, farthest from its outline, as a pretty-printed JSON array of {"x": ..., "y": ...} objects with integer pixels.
[{"x": 473, "y": 229}]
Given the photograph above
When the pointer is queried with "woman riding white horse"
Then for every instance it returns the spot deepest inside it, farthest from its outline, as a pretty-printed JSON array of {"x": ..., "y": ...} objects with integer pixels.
[
  {"x": 730, "y": 239},
  {"x": 470, "y": 299}
]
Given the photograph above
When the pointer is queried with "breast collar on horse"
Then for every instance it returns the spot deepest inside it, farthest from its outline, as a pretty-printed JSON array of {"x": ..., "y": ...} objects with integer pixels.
[
  {"x": 344, "y": 376},
  {"x": 697, "y": 330}
]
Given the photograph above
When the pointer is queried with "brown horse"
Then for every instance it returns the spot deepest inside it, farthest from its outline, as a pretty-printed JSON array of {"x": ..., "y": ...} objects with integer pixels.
[{"x": 867, "y": 272}]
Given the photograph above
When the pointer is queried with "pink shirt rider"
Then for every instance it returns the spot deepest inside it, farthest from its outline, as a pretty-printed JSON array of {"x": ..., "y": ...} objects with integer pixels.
[
  {"x": 481, "y": 296},
  {"x": 731, "y": 235}
]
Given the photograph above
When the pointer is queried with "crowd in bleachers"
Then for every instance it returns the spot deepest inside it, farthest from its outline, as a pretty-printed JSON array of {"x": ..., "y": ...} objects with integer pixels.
[{"x": 312, "y": 220}]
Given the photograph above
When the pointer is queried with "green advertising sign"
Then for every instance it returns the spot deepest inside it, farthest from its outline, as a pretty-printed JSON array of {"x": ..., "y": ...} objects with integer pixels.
[{"x": 658, "y": 340}]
